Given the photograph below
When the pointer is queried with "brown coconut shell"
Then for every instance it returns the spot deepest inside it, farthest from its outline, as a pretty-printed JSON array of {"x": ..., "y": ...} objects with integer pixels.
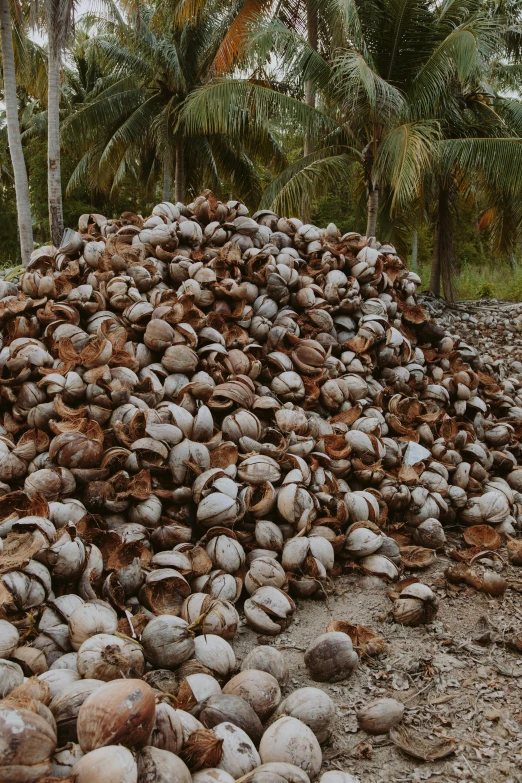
[{"x": 119, "y": 713}]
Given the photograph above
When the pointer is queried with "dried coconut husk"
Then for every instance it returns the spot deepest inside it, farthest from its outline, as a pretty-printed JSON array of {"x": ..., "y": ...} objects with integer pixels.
[
  {"x": 202, "y": 749},
  {"x": 483, "y": 536},
  {"x": 31, "y": 705},
  {"x": 20, "y": 503},
  {"x": 347, "y": 417},
  {"x": 365, "y": 642},
  {"x": 139, "y": 622},
  {"x": 402, "y": 539},
  {"x": 36, "y": 438},
  {"x": 114, "y": 592},
  {"x": 514, "y": 548},
  {"x": 224, "y": 455},
  {"x": 32, "y": 660},
  {"x": 417, "y": 557},
  {"x": 487, "y": 582},
  {"x": 465, "y": 555},
  {"x": 365, "y": 523},
  {"x": 395, "y": 590},
  {"x": 166, "y": 595},
  {"x": 189, "y": 667},
  {"x": 33, "y": 688},
  {"x": 126, "y": 553},
  {"x": 19, "y": 548},
  {"x": 421, "y": 747},
  {"x": 199, "y": 559},
  {"x": 106, "y": 540},
  {"x": 165, "y": 681}
]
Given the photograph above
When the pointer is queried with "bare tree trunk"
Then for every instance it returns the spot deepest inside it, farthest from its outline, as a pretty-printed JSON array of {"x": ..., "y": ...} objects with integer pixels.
[
  {"x": 180, "y": 170},
  {"x": 167, "y": 173},
  {"x": 443, "y": 257},
  {"x": 23, "y": 204},
  {"x": 373, "y": 208},
  {"x": 414, "y": 247},
  {"x": 54, "y": 179},
  {"x": 435, "y": 262},
  {"x": 310, "y": 96}
]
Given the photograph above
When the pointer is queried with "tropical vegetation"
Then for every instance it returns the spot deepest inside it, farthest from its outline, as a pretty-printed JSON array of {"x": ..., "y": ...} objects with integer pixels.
[{"x": 398, "y": 118}]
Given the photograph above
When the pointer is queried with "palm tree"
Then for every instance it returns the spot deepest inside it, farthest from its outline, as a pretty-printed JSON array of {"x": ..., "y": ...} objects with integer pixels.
[
  {"x": 59, "y": 18},
  {"x": 23, "y": 204},
  {"x": 400, "y": 93},
  {"x": 130, "y": 121}
]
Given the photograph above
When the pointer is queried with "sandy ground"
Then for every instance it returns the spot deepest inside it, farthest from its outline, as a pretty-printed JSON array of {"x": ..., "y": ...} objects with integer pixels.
[{"x": 456, "y": 678}]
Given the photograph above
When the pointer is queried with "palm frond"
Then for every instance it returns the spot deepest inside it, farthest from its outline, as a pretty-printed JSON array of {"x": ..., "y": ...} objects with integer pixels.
[
  {"x": 283, "y": 181},
  {"x": 404, "y": 155},
  {"x": 131, "y": 131},
  {"x": 497, "y": 161},
  {"x": 313, "y": 181},
  {"x": 293, "y": 51},
  {"x": 235, "y": 39},
  {"x": 236, "y": 106},
  {"x": 59, "y": 16},
  {"x": 458, "y": 55},
  {"x": 362, "y": 92}
]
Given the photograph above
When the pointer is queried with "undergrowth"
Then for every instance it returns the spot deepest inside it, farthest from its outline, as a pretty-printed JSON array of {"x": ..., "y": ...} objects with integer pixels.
[{"x": 495, "y": 281}]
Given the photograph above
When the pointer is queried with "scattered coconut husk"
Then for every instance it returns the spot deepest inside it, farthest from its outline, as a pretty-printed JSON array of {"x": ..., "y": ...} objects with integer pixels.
[{"x": 415, "y": 743}]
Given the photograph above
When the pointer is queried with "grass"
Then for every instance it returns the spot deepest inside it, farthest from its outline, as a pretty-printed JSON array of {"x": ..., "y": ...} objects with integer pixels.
[{"x": 496, "y": 281}]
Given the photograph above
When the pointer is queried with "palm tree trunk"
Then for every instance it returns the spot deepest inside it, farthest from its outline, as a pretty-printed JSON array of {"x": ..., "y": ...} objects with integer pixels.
[
  {"x": 414, "y": 247},
  {"x": 23, "y": 204},
  {"x": 443, "y": 257},
  {"x": 167, "y": 173},
  {"x": 373, "y": 208},
  {"x": 435, "y": 262},
  {"x": 310, "y": 96},
  {"x": 54, "y": 179},
  {"x": 180, "y": 170}
]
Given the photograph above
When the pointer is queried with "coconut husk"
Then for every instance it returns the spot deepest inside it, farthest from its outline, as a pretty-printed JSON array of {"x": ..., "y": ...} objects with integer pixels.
[
  {"x": 416, "y": 744},
  {"x": 417, "y": 557},
  {"x": 186, "y": 698},
  {"x": 483, "y": 536},
  {"x": 365, "y": 642},
  {"x": 202, "y": 749},
  {"x": 19, "y": 548},
  {"x": 396, "y": 589},
  {"x": 32, "y": 688},
  {"x": 193, "y": 667}
]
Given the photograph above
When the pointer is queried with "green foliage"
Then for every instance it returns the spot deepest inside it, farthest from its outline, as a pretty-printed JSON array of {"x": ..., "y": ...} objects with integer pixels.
[
  {"x": 497, "y": 279},
  {"x": 337, "y": 207},
  {"x": 486, "y": 290}
]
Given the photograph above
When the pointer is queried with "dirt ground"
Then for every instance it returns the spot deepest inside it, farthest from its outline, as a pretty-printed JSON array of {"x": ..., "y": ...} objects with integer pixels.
[{"x": 456, "y": 678}]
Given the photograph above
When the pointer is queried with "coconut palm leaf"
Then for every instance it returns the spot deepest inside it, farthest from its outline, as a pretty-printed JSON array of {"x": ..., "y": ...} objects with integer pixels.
[
  {"x": 361, "y": 90},
  {"x": 132, "y": 129},
  {"x": 284, "y": 181},
  {"x": 236, "y": 105},
  {"x": 497, "y": 161},
  {"x": 295, "y": 55},
  {"x": 314, "y": 180},
  {"x": 458, "y": 55},
  {"x": 233, "y": 43},
  {"x": 510, "y": 112},
  {"x": 405, "y": 153}
]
